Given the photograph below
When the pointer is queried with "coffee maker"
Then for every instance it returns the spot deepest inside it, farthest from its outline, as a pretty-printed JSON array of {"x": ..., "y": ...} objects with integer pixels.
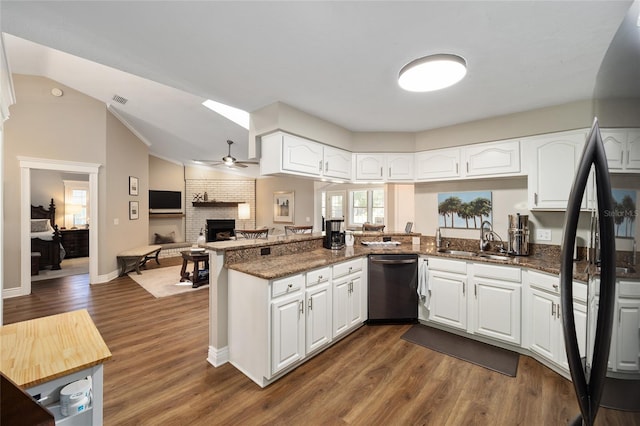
[
  {"x": 519, "y": 234},
  {"x": 334, "y": 234}
]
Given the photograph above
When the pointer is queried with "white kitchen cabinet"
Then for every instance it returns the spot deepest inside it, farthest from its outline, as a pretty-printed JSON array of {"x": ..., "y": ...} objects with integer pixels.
[
  {"x": 627, "y": 348},
  {"x": 288, "y": 332},
  {"x": 384, "y": 167},
  {"x": 492, "y": 159},
  {"x": 437, "y": 164},
  {"x": 496, "y": 303},
  {"x": 283, "y": 153},
  {"x": 622, "y": 147},
  {"x": 370, "y": 167},
  {"x": 275, "y": 325},
  {"x": 400, "y": 167},
  {"x": 348, "y": 296},
  {"x": 546, "y": 335},
  {"x": 337, "y": 163},
  {"x": 318, "y": 309},
  {"x": 554, "y": 160},
  {"x": 448, "y": 285}
]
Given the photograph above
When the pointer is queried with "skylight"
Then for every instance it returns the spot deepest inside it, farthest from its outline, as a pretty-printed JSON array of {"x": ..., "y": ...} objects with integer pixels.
[{"x": 238, "y": 116}]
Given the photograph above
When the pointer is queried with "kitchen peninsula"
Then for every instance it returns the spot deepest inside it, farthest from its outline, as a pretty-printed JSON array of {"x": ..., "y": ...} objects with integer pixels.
[{"x": 256, "y": 275}]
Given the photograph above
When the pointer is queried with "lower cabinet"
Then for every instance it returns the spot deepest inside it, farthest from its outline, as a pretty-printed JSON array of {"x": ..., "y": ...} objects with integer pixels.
[
  {"x": 288, "y": 332},
  {"x": 497, "y": 302},
  {"x": 545, "y": 332},
  {"x": 275, "y": 325}
]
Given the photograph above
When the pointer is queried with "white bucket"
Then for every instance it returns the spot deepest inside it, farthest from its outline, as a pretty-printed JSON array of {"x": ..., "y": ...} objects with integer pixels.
[{"x": 75, "y": 397}]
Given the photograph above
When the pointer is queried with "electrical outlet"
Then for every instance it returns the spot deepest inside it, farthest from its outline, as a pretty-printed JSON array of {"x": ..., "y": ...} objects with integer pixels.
[
  {"x": 265, "y": 251},
  {"x": 543, "y": 235}
]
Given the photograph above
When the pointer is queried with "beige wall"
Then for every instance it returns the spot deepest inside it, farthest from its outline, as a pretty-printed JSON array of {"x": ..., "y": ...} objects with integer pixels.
[
  {"x": 303, "y": 196},
  {"x": 570, "y": 116},
  {"x": 73, "y": 127},
  {"x": 126, "y": 156},
  {"x": 166, "y": 176}
]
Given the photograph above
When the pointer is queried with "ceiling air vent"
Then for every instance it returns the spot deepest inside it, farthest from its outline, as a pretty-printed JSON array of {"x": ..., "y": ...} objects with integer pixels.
[{"x": 119, "y": 99}]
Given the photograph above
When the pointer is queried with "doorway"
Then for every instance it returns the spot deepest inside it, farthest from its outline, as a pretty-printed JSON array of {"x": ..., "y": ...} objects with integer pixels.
[{"x": 29, "y": 166}]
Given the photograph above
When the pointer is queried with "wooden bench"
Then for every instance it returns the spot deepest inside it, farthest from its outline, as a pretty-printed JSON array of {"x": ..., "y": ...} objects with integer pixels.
[{"x": 136, "y": 258}]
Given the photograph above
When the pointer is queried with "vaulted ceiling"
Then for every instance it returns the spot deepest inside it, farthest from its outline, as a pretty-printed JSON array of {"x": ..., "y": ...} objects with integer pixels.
[{"x": 336, "y": 60}]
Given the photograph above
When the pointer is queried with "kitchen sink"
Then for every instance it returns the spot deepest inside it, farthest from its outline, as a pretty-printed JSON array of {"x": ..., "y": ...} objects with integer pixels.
[
  {"x": 494, "y": 256},
  {"x": 458, "y": 252}
]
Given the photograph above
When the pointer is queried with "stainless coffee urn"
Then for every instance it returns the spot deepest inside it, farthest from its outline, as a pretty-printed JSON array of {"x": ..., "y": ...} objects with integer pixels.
[{"x": 519, "y": 234}]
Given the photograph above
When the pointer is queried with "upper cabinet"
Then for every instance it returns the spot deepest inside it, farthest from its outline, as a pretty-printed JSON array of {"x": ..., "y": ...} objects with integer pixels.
[
  {"x": 554, "y": 161},
  {"x": 285, "y": 153},
  {"x": 438, "y": 164},
  {"x": 622, "y": 147},
  {"x": 490, "y": 159},
  {"x": 384, "y": 167}
]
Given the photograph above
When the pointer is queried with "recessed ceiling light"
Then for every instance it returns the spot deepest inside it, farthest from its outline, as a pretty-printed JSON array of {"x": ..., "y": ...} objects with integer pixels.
[
  {"x": 236, "y": 115},
  {"x": 432, "y": 72}
]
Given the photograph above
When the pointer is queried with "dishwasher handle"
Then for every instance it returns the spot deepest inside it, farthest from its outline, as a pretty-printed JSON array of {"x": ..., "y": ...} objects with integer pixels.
[{"x": 394, "y": 262}]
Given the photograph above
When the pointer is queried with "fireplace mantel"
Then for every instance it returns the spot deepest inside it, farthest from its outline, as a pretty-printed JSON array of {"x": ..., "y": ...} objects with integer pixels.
[{"x": 216, "y": 203}]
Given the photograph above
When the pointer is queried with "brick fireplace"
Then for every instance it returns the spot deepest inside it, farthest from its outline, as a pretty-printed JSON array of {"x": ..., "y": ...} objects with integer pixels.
[{"x": 225, "y": 190}]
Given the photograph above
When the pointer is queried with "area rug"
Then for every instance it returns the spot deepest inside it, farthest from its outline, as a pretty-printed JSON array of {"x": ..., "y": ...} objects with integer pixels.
[
  {"x": 487, "y": 356},
  {"x": 162, "y": 282}
]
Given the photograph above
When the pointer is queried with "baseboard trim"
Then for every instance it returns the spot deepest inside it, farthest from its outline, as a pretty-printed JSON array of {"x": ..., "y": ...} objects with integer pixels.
[
  {"x": 8, "y": 293},
  {"x": 101, "y": 279},
  {"x": 218, "y": 357}
]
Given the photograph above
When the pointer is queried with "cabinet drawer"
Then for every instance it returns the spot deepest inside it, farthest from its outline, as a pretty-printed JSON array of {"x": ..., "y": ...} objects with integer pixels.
[
  {"x": 346, "y": 268},
  {"x": 504, "y": 273},
  {"x": 628, "y": 288},
  {"x": 318, "y": 276},
  {"x": 448, "y": 265},
  {"x": 580, "y": 291},
  {"x": 544, "y": 281},
  {"x": 286, "y": 285}
]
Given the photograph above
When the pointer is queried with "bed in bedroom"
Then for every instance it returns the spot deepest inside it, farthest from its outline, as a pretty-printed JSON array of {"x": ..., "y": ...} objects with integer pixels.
[{"x": 45, "y": 236}]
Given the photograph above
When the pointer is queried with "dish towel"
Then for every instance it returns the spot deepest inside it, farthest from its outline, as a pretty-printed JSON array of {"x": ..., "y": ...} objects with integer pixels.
[{"x": 423, "y": 282}]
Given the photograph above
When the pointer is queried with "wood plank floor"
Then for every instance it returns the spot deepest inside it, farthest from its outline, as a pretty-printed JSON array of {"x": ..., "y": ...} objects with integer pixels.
[{"x": 159, "y": 374}]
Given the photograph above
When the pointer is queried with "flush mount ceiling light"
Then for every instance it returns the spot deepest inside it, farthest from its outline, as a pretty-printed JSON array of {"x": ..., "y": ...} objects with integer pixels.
[{"x": 432, "y": 72}]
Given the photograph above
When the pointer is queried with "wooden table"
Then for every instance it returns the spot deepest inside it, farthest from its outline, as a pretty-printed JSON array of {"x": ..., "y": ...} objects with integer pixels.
[
  {"x": 44, "y": 354},
  {"x": 196, "y": 257}
]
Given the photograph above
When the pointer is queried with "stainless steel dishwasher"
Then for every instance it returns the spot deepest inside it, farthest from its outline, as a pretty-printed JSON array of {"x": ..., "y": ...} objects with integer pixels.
[{"x": 393, "y": 283}]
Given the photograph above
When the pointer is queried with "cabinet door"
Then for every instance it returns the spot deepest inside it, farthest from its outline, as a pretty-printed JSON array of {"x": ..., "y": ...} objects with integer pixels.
[
  {"x": 356, "y": 305},
  {"x": 615, "y": 144},
  {"x": 370, "y": 166},
  {"x": 287, "y": 331},
  {"x": 544, "y": 329},
  {"x": 497, "y": 309},
  {"x": 633, "y": 150},
  {"x": 301, "y": 155},
  {"x": 337, "y": 163},
  {"x": 628, "y": 335},
  {"x": 550, "y": 180},
  {"x": 489, "y": 159},
  {"x": 400, "y": 167},
  {"x": 448, "y": 299},
  {"x": 438, "y": 164},
  {"x": 318, "y": 321},
  {"x": 341, "y": 306}
]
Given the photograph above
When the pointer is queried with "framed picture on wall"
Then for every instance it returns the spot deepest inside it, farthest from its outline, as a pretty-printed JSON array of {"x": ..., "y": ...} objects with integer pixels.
[
  {"x": 133, "y": 185},
  {"x": 134, "y": 210},
  {"x": 283, "y": 204}
]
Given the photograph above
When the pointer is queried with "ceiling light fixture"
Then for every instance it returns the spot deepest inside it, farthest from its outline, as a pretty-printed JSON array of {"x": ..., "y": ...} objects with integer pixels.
[
  {"x": 238, "y": 116},
  {"x": 432, "y": 72}
]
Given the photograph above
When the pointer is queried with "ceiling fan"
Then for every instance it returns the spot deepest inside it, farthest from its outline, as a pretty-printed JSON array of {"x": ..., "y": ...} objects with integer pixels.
[{"x": 227, "y": 160}]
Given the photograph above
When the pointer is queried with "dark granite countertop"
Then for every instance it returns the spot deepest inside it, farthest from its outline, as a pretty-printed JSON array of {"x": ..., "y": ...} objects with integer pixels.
[{"x": 273, "y": 267}]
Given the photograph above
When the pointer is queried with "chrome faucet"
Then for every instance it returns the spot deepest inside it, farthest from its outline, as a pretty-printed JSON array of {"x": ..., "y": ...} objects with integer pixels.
[{"x": 485, "y": 234}]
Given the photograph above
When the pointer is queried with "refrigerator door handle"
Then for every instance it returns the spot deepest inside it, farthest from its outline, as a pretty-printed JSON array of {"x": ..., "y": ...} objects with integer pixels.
[{"x": 589, "y": 393}]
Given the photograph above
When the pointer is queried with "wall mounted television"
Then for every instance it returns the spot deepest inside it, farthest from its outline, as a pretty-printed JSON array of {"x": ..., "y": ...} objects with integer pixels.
[{"x": 165, "y": 201}]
